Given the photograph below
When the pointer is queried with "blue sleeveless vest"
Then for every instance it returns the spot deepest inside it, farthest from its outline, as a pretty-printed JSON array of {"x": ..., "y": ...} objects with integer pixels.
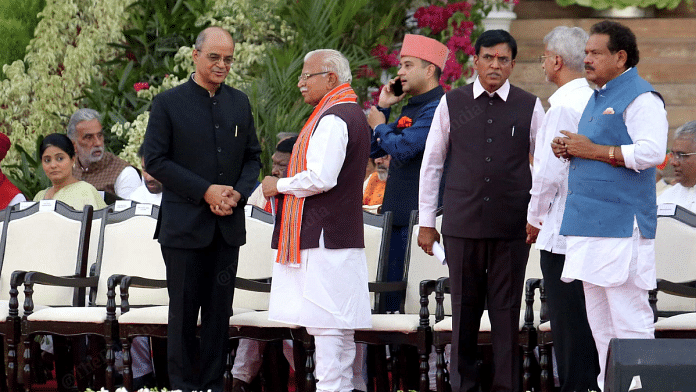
[{"x": 602, "y": 199}]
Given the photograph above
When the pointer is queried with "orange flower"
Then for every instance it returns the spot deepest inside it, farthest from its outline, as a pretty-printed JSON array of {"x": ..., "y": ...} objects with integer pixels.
[{"x": 404, "y": 122}]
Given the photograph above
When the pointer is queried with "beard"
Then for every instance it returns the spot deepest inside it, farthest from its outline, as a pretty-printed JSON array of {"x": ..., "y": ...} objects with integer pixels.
[
  {"x": 382, "y": 172},
  {"x": 90, "y": 158}
]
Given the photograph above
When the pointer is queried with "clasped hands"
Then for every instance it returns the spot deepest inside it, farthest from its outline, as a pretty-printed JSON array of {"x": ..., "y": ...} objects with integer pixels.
[
  {"x": 222, "y": 199},
  {"x": 572, "y": 145}
]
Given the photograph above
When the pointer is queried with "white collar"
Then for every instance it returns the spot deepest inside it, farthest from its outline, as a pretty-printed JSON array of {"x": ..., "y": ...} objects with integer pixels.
[
  {"x": 567, "y": 89},
  {"x": 502, "y": 92}
]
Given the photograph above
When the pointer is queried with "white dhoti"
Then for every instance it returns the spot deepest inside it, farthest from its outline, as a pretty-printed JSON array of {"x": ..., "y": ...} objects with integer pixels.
[
  {"x": 617, "y": 274},
  {"x": 328, "y": 294}
]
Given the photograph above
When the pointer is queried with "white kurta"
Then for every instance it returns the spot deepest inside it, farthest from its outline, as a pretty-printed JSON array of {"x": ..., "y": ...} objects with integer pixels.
[
  {"x": 550, "y": 174},
  {"x": 329, "y": 288},
  {"x": 680, "y": 195},
  {"x": 437, "y": 145},
  {"x": 605, "y": 261}
]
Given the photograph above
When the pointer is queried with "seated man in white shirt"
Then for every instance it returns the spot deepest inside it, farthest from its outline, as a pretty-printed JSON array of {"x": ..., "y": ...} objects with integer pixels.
[
  {"x": 150, "y": 190},
  {"x": 683, "y": 159}
]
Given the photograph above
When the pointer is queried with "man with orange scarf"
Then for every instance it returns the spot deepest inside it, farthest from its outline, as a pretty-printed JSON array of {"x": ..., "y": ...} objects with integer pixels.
[{"x": 320, "y": 275}]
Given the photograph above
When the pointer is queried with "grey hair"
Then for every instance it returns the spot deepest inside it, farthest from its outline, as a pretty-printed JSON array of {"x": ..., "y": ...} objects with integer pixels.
[
  {"x": 687, "y": 130},
  {"x": 80, "y": 116},
  {"x": 569, "y": 43},
  {"x": 333, "y": 61}
]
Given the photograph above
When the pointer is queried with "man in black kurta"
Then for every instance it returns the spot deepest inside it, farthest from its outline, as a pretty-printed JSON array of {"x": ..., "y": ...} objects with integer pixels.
[
  {"x": 486, "y": 130},
  {"x": 202, "y": 145}
]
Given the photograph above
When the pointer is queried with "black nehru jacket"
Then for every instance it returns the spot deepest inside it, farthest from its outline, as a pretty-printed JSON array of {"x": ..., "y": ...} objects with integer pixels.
[{"x": 488, "y": 183}]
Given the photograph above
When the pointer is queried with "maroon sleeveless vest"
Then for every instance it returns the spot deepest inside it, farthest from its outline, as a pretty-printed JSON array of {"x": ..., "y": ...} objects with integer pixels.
[
  {"x": 338, "y": 212},
  {"x": 488, "y": 180}
]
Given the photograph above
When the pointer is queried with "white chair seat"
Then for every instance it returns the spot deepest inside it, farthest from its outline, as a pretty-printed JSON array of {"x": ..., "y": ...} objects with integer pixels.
[
  {"x": 257, "y": 319},
  {"x": 396, "y": 322},
  {"x": 680, "y": 322},
  {"x": 446, "y": 324},
  {"x": 156, "y": 315},
  {"x": 92, "y": 314},
  {"x": 5, "y": 309},
  {"x": 545, "y": 327},
  {"x": 236, "y": 310}
]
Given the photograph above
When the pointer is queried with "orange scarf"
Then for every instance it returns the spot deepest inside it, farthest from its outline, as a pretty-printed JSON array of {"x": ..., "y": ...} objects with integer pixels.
[{"x": 293, "y": 207}]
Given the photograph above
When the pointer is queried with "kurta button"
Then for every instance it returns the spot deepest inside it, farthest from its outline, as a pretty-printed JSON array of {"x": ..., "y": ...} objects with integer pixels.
[
  {"x": 219, "y": 149},
  {"x": 217, "y": 126},
  {"x": 591, "y": 118},
  {"x": 488, "y": 159},
  {"x": 487, "y": 179},
  {"x": 570, "y": 192},
  {"x": 490, "y": 121},
  {"x": 489, "y": 140},
  {"x": 486, "y": 198},
  {"x": 220, "y": 174},
  {"x": 214, "y": 101},
  {"x": 490, "y": 103}
]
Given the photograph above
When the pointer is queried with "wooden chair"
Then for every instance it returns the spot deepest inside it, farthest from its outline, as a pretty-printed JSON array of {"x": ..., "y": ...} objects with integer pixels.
[
  {"x": 675, "y": 247},
  {"x": 529, "y": 321},
  {"x": 412, "y": 327},
  {"x": 46, "y": 238}
]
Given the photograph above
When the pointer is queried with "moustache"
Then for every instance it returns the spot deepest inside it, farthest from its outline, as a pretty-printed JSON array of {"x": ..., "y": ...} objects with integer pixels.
[
  {"x": 494, "y": 74},
  {"x": 589, "y": 68}
]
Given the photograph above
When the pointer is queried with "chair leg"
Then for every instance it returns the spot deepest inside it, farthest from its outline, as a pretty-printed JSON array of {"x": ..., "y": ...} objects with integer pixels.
[
  {"x": 546, "y": 378},
  {"x": 12, "y": 363},
  {"x": 441, "y": 368},
  {"x": 381, "y": 372},
  {"x": 27, "y": 362},
  {"x": 424, "y": 369},
  {"x": 110, "y": 370},
  {"x": 310, "y": 382},
  {"x": 127, "y": 364}
]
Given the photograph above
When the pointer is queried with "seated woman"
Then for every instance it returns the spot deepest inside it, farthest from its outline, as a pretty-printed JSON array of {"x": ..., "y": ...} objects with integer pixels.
[{"x": 57, "y": 159}]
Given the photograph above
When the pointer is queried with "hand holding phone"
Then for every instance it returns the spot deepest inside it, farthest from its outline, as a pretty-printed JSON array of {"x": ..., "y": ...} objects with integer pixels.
[{"x": 397, "y": 88}]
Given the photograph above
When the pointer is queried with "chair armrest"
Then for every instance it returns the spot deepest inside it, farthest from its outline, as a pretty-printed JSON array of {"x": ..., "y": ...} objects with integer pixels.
[
  {"x": 426, "y": 288},
  {"x": 385, "y": 287},
  {"x": 682, "y": 289},
  {"x": 256, "y": 285},
  {"x": 42, "y": 278},
  {"x": 441, "y": 288},
  {"x": 136, "y": 281},
  {"x": 531, "y": 285},
  {"x": 16, "y": 279}
]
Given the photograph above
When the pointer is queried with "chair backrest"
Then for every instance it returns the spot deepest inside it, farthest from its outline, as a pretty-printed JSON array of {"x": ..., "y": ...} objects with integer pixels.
[
  {"x": 94, "y": 236},
  {"x": 127, "y": 247},
  {"x": 422, "y": 266},
  {"x": 377, "y": 229},
  {"x": 675, "y": 260},
  {"x": 47, "y": 237},
  {"x": 256, "y": 258}
]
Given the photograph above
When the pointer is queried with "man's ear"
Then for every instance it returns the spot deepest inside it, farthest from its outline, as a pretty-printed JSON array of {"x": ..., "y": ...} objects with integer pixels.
[
  {"x": 333, "y": 80},
  {"x": 622, "y": 58}
]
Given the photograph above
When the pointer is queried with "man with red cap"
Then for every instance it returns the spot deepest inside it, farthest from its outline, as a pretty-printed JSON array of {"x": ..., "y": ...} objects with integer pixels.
[
  {"x": 9, "y": 193},
  {"x": 422, "y": 62}
]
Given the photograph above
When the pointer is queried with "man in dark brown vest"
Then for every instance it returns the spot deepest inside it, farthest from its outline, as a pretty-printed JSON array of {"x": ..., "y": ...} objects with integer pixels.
[
  {"x": 320, "y": 274},
  {"x": 488, "y": 127},
  {"x": 104, "y": 170}
]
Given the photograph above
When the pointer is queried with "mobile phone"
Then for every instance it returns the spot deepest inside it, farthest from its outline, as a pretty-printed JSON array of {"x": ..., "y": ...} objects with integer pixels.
[{"x": 397, "y": 88}]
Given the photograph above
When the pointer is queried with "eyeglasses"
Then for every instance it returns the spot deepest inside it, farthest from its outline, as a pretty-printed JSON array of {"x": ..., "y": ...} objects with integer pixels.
[
  {"x": 501, "y": 59},
  {"x": 676, "y": 155},
  {"x": 543, "y": 58},
  {"x": 215, "y": 58},
  {"x": 308, "y": 75}
]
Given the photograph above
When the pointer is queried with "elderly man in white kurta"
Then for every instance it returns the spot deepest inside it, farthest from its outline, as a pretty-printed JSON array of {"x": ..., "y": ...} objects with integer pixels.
[
  {"x": 320, "y": 275},
  {"x": 610, "y": 216}
]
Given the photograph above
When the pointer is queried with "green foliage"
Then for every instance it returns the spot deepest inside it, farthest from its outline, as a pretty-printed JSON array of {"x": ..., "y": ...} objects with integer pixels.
[
  {"x": 349, "y": 27},
  {"x": 18, "y": 19},
  {"x": 28, "y": 174},
  {"x": 156, "y": 29}
]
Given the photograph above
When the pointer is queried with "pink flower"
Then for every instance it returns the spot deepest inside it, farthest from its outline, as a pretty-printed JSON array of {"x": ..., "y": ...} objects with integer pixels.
[
  {"x": 141, "y": 86},
  {"x": 463, "y": 7},
  {"x": 386, "y": 59},
  {"x": 433, "y": 17},
  {"x": 365, "y": 71},
  {"x": 452, "y": 71}
]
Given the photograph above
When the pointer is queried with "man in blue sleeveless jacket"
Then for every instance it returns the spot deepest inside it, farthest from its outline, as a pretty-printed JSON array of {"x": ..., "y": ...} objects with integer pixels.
[{"x": 611, "y": 215}]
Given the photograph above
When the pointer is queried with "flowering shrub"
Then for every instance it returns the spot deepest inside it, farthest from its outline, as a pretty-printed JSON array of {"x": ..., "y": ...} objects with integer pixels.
[{"x": 41, "y": 92}]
